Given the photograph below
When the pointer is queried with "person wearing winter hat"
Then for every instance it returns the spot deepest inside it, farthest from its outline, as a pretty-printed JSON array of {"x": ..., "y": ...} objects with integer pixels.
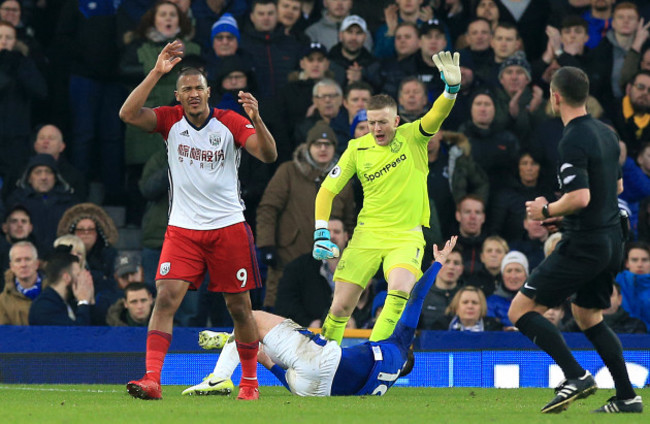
[
  {"x": 514, "y": 271},
  {"x": 359, "y": 126},
  {"x": 46, "y": 195},
  {"x": 285, "y": 214}
]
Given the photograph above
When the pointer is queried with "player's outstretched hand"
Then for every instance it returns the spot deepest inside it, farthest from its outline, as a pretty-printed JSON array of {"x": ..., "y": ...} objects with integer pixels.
[
  {"x": 441, "y": 255},
  {"x": 449, "y": 67},
  {"x": 170, "y": 55},
  {"x": 250, "y": 104},
  {"x": 264, "y": 359}
]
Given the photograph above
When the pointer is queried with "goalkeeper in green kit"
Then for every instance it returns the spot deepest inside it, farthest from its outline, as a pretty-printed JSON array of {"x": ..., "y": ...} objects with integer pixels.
[{"x": 392, "y": 164}]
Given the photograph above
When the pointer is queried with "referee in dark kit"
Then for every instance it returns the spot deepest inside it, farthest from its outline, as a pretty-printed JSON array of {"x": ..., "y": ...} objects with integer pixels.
[{"x": 586, "y": 260}]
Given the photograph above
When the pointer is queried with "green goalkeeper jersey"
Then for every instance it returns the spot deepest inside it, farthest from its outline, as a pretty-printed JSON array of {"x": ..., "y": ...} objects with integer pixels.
[{"x": 394, "y": 179}]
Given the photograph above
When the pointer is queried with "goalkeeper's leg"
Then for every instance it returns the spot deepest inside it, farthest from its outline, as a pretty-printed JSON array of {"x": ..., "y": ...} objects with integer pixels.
[{"x": 346, "y": 297}]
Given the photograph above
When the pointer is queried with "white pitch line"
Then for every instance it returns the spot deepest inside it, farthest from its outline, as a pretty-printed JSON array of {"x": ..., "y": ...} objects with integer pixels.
[{"x": 43, "y": 389}]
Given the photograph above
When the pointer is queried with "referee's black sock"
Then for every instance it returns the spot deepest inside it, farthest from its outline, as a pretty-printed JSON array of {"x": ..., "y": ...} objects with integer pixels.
[
  {"x": 610, "y": 350},
  {"x": 547, "y": 336}
]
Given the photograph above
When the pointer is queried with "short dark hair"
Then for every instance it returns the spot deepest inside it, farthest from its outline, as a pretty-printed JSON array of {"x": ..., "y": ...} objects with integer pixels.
[
  {"x": 642, "y": 245},
  {"x": 477, "y": 19},
  {"x": 640, "y": 72},
  {"x": 415, "y": 79},
  {"x": 470, "y": 196},
  {"x": 136, "y": 287},
  {"x": 507, "y": 25},
  {"x": 59, "y": 262},
  {"x": 571, "y": 21},
  {"x": 357, "y": 85},
  {"x": 573, "y": 85},
  {"x": 189, "y": 70},
  {"x": 262, "y": 2},
  {"x": 380, "y": 101}
]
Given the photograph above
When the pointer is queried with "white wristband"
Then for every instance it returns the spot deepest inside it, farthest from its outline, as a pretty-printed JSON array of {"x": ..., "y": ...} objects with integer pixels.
[
  {"x": 321, "y": 224},
  {"x": 83, "y": 302}
]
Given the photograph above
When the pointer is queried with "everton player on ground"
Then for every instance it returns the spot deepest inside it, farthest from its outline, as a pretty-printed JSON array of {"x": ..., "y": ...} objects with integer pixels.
[
  {"x": 206, "y": 229},
  {"x": 309, "y": 365}
]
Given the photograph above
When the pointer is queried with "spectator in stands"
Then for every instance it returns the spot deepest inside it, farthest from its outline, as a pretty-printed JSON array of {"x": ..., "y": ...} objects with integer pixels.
[
  {"x": 327, "y": 97},
  {"x": 11, "y": 11},
  {"x": 636, "y": 180},
  {"x": 290, "y": 17},
  {"x": 326, "y": 30},
  {"x": 412, "y": 99},
  {"x": 97, "y": 230},
  {"x": 478, "y": 55},
  {"x": 504, "y": 43},
  {"x": 556, "y": 316},
  {"x": 532, "y": 245},
  {"x": 456, "y": 14},
  {"x": 306, "y": 287},
  {"x": 393, "y": 69},
  {"x": 68, "y": 298},
  {"x": 46, "y": 195},
  {"x": 359, "y": 126},
  {"x": 295, "y": 100},
  {"x": 615, "y": 316},
  {"x": 514, "y": 271},
  {"x": 395, "y": 14},
  {"x": 162, "y": 23},
  {"x": 606, "y": 60},
  {"x": 467, "y": 312},
  {"x": 351, "y": 61},
  {"x": 433, "y": 40},
  {"x": 530, "y": 18},
  {"x": 486, "y": 9},
  {"x": 17, "y": 226},
  {"x": 355, "y": 98},
  {"x": 20, "y": 84},
  {"x": 207, "y": 12},
  {"x": 493, "y": 148},
  {"x": 507, "y": 211},
  {"x": 226, "y": 39},
  {"x": 632, "y": 113},
  {"x": 89, "y": 52},
  {"x": 234, "y": 75},
  {"x": 519, "y": 105},
  {"x": 49, "y": 139},
  {"x": 22, "y": 284},
  {"x": 470, "y": 215},
  {"x": 134, "y": 309},
  {"x": 565, "y": 47},
  {"x": 453, "y": 173},
  {"x": 447, "y": 283},
  {"x": 285, "y": 215},
  {"x": 599, "y": 18},
  {"x": 487, "y": 274},
  {"x": 274, "y": 53},
  {"x": 637, "y": 57},
  {"x": 635, "y": 281}
]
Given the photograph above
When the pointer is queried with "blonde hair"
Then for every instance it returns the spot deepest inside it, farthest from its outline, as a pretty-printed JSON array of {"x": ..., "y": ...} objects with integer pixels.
[
  {"x": 497, "y": 239},
  {"x": 77, "y": 246},
  {"x": 452, "y": 309}
]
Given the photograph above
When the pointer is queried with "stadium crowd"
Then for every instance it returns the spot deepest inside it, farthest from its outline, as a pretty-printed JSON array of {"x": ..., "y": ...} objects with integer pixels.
[{"x": 67, "y": 66}]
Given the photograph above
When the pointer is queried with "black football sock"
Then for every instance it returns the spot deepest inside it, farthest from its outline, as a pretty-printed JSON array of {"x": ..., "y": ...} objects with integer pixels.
[
  {"x": 547, "y": 336},
  {"x": 610, "y": 350}
]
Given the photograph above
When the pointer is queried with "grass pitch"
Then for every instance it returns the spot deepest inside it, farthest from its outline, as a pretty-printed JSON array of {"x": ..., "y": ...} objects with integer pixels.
[{"x": 98, "y": 404}]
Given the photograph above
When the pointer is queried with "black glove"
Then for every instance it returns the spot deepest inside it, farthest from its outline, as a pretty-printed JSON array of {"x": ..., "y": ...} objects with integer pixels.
[{"x": 269, "y": 256}]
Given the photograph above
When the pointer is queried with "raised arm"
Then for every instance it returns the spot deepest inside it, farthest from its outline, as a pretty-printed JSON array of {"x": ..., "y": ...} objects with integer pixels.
[
  {"x": 133, "y": 111},
  {"x": 261, "y": 144}
]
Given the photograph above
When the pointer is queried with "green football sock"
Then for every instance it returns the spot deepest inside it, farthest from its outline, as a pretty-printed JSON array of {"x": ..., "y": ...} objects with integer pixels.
[
  {"x": 393, "y": 307},
  {"x": 334, "y": 327}
]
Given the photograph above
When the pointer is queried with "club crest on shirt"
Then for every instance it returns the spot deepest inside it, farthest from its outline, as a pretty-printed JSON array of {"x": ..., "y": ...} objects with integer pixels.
[
  {"x": 395, "y": 146},
  {"x": 215, "y": 139},
  {"x": 164, "y": 268}
]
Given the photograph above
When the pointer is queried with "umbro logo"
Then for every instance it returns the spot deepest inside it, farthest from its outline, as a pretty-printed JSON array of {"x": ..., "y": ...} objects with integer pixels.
[{"x": 185, "y": 133}]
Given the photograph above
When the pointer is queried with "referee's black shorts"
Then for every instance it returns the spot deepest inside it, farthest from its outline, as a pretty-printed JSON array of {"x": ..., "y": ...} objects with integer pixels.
[{"x": 582, "y": 264}]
